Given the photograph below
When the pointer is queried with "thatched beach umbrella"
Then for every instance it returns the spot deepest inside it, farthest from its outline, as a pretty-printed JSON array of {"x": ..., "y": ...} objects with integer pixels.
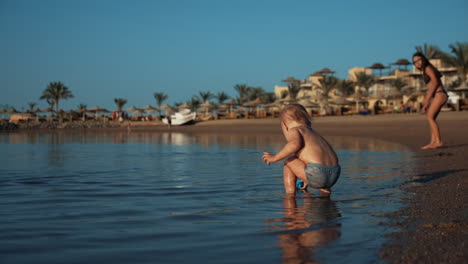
[
  {"x": 138, "y": 111},
  {"x": 97, "y": 110},
  {"x": 402, "y": 62},
  {"x": 183, "y": 106},
  {"x": 377, "y": 66},
  {"x": 168, "y": 109},
  {"x": 150, "y": 109},
  {"x": 207, "y": 106},
  {"x": 290, "y": 80},
  {"x": 132, "y": 108},
  {"x": 231, "y": 103},
  {"x": 254, "y": 103},
  {"x": 326, "y": 71},
  {"x": 317, "y": 73}
]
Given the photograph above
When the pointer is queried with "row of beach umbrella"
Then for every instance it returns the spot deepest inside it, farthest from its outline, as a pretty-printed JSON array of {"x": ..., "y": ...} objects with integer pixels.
[{"x": 206, "y": 106}]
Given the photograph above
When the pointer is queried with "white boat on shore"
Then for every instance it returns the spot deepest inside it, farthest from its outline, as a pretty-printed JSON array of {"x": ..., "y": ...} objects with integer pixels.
[{"x": 183, "y": 117}]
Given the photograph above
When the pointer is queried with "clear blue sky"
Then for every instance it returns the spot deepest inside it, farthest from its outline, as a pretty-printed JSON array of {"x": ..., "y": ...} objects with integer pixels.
[{"x": 106, "y": 49}]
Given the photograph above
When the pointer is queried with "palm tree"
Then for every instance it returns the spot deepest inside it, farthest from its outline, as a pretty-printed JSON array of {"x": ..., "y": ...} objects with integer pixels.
[
  {"x": 294, "y": 87},
  {"x": 54, "y": 92},
  {"x": 194, "y": 102},
  {"x": 256, "y": 92},
  {"x": 345, "y": 87},
  {"x": 363, "y": 81},
  {"x": 269, "y": 98},
  {"x": 51, "y": 103},
  {"x": 221, "y": 97},
  {"x": 160, "y": 98},
  {"x": 31, "y": 106},
  {"x": 397, "y": 86},
  {"x": 82, "y": 109},
  {"x": 120, "y": 102},
  {"x": 205, "y": 96},
  {"x": 243, "y": 91},
  {"x": 326, "y": 84},
  {"x": 459, "y": 60},
  {"x": 431, "y": 51}
]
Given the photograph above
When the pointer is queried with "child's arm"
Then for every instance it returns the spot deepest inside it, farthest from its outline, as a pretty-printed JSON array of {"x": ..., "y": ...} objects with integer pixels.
[{"x": 294, "y": 144}]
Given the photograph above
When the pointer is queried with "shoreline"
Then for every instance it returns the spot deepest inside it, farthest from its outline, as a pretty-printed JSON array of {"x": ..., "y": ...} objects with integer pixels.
[{"x": 433, "y": 220}]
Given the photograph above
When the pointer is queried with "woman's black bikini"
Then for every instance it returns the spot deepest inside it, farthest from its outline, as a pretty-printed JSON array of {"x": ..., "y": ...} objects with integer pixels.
[{"x": 440, "y": 89}]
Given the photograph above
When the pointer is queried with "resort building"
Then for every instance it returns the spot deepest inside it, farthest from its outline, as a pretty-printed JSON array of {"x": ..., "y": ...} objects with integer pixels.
[{"x": 410, "y": 88}]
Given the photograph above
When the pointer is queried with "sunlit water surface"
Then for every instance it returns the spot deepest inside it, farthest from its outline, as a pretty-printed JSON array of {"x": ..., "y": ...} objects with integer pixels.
[{"x": 114, "y": 197}]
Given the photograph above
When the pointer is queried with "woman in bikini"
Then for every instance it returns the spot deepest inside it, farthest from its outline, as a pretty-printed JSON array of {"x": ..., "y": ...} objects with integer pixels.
[{"x": 435, "y": 98}]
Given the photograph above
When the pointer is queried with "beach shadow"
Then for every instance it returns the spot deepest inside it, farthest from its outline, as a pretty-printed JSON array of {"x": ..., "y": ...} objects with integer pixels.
[
  {"x": 436, "y": 154},
  {"x": 455, "y": 146},
  {"x": 424, "y": 178}
]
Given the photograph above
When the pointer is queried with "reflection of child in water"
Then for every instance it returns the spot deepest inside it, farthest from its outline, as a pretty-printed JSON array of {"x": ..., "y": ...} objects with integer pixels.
[
  {"x": 299, "y": 242},
  {"x": 309, "y": 156}
]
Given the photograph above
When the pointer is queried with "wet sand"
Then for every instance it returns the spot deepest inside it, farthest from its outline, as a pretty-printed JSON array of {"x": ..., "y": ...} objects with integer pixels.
[{"x": 433, "y": 223}]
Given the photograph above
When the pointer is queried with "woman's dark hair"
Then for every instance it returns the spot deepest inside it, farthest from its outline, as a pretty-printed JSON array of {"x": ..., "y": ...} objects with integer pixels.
[
  {"x": 425, "y": 63},
  {"x": 424, "y": 60}
]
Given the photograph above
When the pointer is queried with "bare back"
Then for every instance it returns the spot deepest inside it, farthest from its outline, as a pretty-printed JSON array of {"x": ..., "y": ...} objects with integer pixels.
[{"x": 316, "y": 149}]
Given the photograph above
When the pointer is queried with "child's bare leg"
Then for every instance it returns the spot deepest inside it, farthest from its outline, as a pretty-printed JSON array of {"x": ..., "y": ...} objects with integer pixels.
[
  {"x": 289, "y": 180},
  {"x": 297, "y": 168}
]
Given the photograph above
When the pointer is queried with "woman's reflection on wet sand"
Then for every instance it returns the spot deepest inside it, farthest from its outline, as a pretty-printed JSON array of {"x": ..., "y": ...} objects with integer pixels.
[{"x": 306, "y": 227}]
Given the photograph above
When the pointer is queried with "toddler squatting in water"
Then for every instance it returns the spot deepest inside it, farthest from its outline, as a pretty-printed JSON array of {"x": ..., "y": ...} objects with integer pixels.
[{"x": 310, "y": 157}]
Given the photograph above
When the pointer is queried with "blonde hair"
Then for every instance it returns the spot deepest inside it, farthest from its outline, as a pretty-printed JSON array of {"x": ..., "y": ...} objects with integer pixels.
[{"x": 296, "y": 112}]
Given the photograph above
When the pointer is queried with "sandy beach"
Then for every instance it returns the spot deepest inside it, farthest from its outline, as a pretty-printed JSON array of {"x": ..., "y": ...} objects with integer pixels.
[{"x": 433, "y": 221}]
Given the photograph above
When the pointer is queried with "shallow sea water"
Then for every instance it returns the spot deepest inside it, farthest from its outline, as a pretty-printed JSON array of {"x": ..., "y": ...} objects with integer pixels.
[{"x": 143, "y": 197}]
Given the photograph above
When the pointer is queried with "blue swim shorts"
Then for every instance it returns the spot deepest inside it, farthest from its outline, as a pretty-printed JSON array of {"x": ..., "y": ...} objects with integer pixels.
[{"x": 321, "y": 176}]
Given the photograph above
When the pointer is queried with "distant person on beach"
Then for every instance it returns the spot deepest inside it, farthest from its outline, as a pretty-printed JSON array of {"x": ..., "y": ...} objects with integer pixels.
[
  {"x": 309, "y": 156},
  {"x": 435, "y": 98},
  {"x": 169, "y": 121}
]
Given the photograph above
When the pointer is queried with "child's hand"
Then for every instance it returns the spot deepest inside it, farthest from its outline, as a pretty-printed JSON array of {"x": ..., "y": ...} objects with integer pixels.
[{"x": 268, "y": 158}]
